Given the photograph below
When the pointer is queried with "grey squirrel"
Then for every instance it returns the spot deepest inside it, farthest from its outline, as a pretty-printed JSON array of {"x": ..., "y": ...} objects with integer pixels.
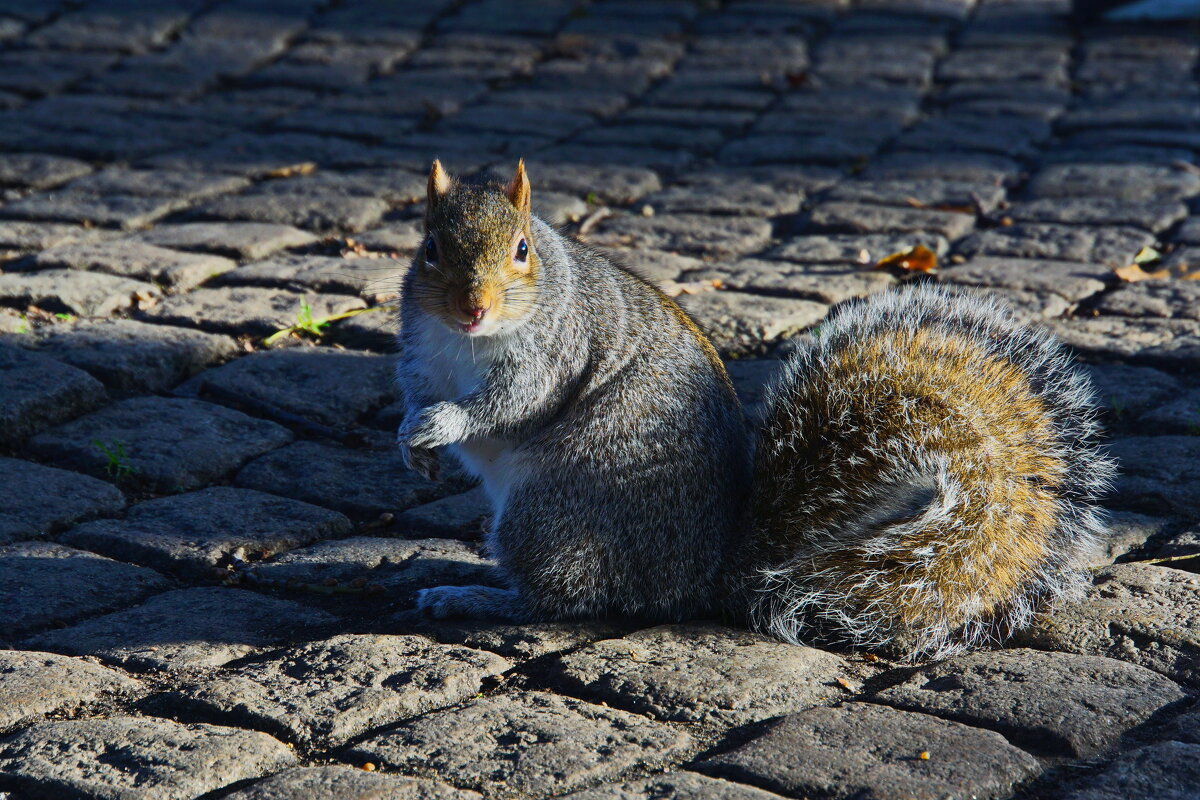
[{"x": 922, "y": 479}]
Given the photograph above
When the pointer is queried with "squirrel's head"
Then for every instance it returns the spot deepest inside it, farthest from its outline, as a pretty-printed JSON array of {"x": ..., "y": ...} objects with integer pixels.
[{"x": 477, "y": 268}]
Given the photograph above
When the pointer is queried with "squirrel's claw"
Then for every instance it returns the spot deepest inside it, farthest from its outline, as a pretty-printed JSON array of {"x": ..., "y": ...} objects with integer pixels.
[{"x": 421, "y": 460}]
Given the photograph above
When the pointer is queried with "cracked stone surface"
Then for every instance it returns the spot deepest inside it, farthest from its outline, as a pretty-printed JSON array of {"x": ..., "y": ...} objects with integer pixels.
[
  {"x": 695, "y": 674},
  {"x": 359, "y": 483},
  {"x": 1089, "y": 701},
  {"x": 324, "y": 693},
  {"x": 58, "y": 585},
  {"x": 874, "y": 751},
  {"x": 1142, "y": 614},
  {"x": 182, "y": 499},
  {"x": 126, "y": 757},
  {"x": 38, "y": 500},
  {"x": 170, "y": 444},
  {"x": 203, "y": 627},
  {"x": 34, "y": 684},
  {"x": 132, "y": 357},
  {"x": 526, "y": 743},
  {"x": 37, "y": 392},
  {"x": 310, "y": 782},
  {"x": 197, "y": 533}
]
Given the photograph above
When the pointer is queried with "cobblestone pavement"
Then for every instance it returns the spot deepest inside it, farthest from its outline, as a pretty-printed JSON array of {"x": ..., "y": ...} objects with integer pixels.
[{"x": 208, "y": 548}]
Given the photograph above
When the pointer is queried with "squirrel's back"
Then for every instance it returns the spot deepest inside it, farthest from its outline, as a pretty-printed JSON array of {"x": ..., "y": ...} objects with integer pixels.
[{"x": 924, "y": 478}]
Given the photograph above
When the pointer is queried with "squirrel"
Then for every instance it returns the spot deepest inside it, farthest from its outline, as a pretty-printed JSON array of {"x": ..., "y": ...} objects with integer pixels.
[{"x": 922, "y": 480}]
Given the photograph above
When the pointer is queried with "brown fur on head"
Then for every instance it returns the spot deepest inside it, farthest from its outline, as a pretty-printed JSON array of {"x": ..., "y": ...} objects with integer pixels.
[{"x": 478, "y": 267}]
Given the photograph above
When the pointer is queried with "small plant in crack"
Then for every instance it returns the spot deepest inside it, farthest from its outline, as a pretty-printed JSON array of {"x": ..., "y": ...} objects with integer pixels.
[
  {"x": 305, "y": 321},
  {"x": 117, "y": 466},
  {"x": 1118, "y": 408}
]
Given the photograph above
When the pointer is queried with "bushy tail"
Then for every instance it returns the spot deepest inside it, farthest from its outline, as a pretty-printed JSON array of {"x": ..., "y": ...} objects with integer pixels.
[{"x": 925, "y": 478}]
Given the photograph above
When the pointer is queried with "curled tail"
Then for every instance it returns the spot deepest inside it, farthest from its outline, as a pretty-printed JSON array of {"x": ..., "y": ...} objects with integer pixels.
[{"x": 925, "y": 478}]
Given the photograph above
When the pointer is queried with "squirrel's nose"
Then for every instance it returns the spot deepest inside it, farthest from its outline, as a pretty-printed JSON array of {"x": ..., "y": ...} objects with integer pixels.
[{"x": 472, "y": 310}]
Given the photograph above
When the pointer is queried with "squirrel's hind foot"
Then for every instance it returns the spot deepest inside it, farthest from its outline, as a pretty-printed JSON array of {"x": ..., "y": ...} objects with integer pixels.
[{"x": 476, "y": 602}]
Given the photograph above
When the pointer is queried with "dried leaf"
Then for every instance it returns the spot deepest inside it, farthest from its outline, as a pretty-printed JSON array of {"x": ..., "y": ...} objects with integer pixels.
[
  {"x": 1134, "y": 273},
  {"x": 915, "y": 259},
  {"x": 1191, "y": 276},
  {"x": 914, "y": 202}
]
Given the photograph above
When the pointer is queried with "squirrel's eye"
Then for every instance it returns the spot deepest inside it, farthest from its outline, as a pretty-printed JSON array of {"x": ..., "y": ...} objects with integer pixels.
[
  {"x": 522, "y": 251},
  {"x": 431, "y": 253}
]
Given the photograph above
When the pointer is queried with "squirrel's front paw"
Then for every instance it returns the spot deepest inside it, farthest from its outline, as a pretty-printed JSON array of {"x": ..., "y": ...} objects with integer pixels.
[
  {"x": 439, "y": 424},
  {"x": 421, "y": 460}
]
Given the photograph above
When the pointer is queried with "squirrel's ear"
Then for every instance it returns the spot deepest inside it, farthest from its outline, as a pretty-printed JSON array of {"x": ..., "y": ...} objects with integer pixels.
[
  {"x": 518, "y": 189},
  {"x": 439, "y": 183}
]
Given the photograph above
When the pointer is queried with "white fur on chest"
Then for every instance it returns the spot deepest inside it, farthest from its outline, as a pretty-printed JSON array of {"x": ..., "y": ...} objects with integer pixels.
[{"x": 454, "y": 367}]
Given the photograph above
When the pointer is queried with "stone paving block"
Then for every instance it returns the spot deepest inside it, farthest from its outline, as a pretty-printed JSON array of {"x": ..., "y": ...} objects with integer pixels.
[
  {"x": 186, "y": 629},
  {"x": 37, "y": 500},
  {"x": 975, "y": 167},
  {"x": 131, "y": 758},
  {"x": 744, "y": 197},
  {"x": 782, "y": 148},
  {"x": 673, "y": 786},
  {"x": 527, "y": 744},
  {"x": 1114, "y": 246},
  {"x": 321, "y": 213},
  {"x": 1128, "y": 531},
  {"x": 1167, "y": 771},
  {"x": 1153, "y": 298},
  {"x": 323, "y": 384},
  {"x": 692, "y": 234},
  {"x": 241, "y": 240},
  {"x": 199, "y": 533},
  {"x": 1129, "y": 182},
  {"x": 33, "y": 684},
  {"x": 170, "y": 444},
  {"x": 1170, "y": 343},
  {"x": 1180, "y": 416},
  {"x": 1030, "y": 308},
  {"x": 853, "y": 249},
  {"x": 19, "y": 235},
  {"x": 1158, "y": 473},
  {"x": 739, "y": 322},
  {"x": 835, "y": 217},
  {"x": 1189, "y": 231},
  {"x": 1146, "y": 615},
  {"x": 308, "y": 783},
  {"x": 132, "y": 259},
  {"x": 322, "y": 694},
  {"x": 657, "y": 266},
  {"x": 322, "y": 273},
  {"x": 87, "y": 294},
  {"x": 400, "y": 238},
  {"x": 458, "y": 516},
  {"x": 701, "y": 673},
  {"x": 1153, "y": 216},
  {"x": 360, "y": 483},
  {"x": 516, "y": 642},
  {"x": 1048, "y": 702},
  {"x": 53, "y": 585},
  {"x": 964, "y": 195},
  {"x": 124, "y": 211},
  {"x": 39, "y": 170},
  {"x": 246, "y": 309},
  {"x": 1009, "y": 135},
  {"x": 816, "y": 282},
  {"x": 1125, "y": 391},
  {"x": 862, "y": 750},
  {"x": 1070, "y": 280},
  {"x": 132, "y": 357},
  {"x": 37, "y": 392},
  {"x": 398, "y": 566}
]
